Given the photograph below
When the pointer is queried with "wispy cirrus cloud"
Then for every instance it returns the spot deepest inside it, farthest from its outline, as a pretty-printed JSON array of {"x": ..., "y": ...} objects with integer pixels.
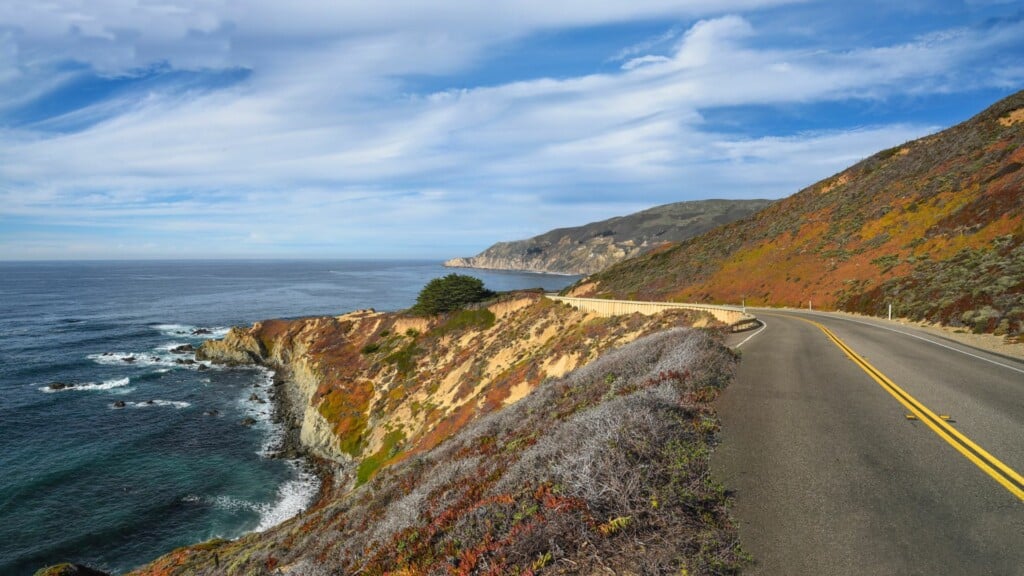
[{"x": 324, "y": 147}]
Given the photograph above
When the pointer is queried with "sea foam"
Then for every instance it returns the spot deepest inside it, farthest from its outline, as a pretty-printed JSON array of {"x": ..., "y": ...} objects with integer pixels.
[
  {"x": 188, "y": 330},
  {"x": 293, "y": 497},
  {"x": 154, "y": 403},
  {"x": 160, "y": 357},
  {"x": 107, "y": 385}
]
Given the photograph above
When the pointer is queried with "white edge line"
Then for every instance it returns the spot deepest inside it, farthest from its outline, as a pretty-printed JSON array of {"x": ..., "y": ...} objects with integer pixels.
[
  {"x": 940, "y": 344},
  {"x": 759, "y": 330}
]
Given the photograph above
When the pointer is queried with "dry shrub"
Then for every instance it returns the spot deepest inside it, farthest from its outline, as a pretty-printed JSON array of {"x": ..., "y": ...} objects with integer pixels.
[{"x": 603, "y": 470}]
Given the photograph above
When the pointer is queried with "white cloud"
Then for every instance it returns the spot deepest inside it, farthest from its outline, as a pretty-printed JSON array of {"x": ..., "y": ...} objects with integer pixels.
[{"x": 323, "y": 144}]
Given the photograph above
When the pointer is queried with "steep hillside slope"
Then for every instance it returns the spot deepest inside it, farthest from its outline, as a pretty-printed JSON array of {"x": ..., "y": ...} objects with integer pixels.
[
  {"x": 372, "y": 388},
  {"x": 935, "y": 227},
  {"x": 603, "y": 471},
  {"x": 592, "y": 247}
]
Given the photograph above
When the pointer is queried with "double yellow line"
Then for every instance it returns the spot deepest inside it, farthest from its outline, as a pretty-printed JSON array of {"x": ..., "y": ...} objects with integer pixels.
[{"x": 988, "y": 463}]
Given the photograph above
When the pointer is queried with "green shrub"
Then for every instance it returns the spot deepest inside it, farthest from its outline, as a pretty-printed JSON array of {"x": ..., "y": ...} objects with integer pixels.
[
  {"x": 463, "y": 319},
  {"x": 404, "y": 359},
  {"x": 451, "y": 292}
]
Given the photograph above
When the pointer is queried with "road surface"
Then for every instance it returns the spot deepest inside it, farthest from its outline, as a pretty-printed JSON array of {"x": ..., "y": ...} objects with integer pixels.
[{"x": 832, "y": 478}]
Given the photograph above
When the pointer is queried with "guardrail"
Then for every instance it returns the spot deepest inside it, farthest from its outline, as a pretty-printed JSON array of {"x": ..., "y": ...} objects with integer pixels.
[{"x": 735, "y": 317}]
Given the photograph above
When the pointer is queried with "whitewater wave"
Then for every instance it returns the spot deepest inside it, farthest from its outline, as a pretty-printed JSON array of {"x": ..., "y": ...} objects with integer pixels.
[
  {"x": 263, "y": 413},
  {"x": 292, "y": 497},
  {"x": 295, "y": 494},
  {"x": 189, "y": 331},
  {"x": 160, "y": 357},
  {"x": 107, "y": 385},
  {"x": 155, "y": 403}
]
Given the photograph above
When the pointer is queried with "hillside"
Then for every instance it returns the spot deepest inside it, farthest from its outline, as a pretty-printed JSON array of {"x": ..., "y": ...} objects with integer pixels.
[
  {"x": 604, "y": 470},
  {"x": 519, "y": 436},
  {"x": 935, "y": 227},
  {"x": 592, "y": 247},
  {"x": 373, "y": 387}
]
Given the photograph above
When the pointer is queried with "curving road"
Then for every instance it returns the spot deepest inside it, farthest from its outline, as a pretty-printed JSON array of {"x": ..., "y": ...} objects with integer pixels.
[{"x": 832, "y": 478}]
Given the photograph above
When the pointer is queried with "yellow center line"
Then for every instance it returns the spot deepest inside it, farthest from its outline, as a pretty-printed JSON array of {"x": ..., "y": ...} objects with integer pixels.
[{"x": 988, "y": 463}]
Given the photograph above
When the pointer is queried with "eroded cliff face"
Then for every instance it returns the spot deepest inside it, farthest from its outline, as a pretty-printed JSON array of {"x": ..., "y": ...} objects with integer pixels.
[
  {"x": 567, "y": 256},
  {"x": 379, "y": 387},
  {"x": 510, "y": 439}
]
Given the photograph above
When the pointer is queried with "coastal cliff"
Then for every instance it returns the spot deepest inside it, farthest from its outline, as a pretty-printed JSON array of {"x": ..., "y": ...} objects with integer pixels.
[
  {"x": 514, "y": 436},
  {"x": 369, "y": 388},
  {"x": 593, "y": 247}
]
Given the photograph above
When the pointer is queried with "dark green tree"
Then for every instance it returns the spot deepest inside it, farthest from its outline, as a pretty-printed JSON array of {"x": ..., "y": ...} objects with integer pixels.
[{"x": 451, "y": 292}]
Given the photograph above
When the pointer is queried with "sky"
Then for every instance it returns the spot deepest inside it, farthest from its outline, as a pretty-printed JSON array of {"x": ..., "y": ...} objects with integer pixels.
[{"x": 139, "y": 129}]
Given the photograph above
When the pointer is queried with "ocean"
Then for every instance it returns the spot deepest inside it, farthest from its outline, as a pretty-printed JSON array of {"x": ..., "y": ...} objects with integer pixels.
[{"x": 84, "y": 480}]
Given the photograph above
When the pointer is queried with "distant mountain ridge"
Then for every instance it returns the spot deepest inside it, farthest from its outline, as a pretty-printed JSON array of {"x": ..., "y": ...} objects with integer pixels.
[
  {"x": 592, "y": 247},
  {"x": 934, "y": 227}
]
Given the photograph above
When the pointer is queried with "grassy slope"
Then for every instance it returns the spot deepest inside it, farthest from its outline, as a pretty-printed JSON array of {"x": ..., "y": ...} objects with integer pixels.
[
  {"x": 935, "y": 227},
  {"x": 602, "y": 471}
]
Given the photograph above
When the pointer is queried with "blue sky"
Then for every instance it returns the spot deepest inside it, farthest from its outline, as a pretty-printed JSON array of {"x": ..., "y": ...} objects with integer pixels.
[{"x": 223, "y": 129}]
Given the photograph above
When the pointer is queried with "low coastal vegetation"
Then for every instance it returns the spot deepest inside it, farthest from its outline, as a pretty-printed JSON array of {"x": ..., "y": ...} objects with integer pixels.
[
  {"x": 933, "y": 227},
  {"x": 602, "y": 470}
]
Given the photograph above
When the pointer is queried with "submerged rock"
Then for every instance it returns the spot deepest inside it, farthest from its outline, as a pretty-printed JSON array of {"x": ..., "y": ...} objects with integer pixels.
[
  {"x": 128, "y": 359},
  {"x": 247, "y": 421},
  {"x": 119, "y": 404},
  {"x": 213, "y": 412},
  {"x": 202, "y": 332},
  {"x": 60, "y": 385}
]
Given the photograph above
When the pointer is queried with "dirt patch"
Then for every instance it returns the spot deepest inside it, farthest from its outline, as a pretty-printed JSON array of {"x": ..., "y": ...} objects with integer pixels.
[
  {"x": 560, "y": 366},
  {"x": 583, "y": 290},
  {"x": 402, "y": 325},
  {"x": 503, "y": 309},
  {"x": 1015, "y": 117},
  {"x": 518, "y": 392},
  {"x": 840, "y": 181}
]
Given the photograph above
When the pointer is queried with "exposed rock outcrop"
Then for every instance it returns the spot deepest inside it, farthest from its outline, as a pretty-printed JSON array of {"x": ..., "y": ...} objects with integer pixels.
[{"x": 375, "y": 387}]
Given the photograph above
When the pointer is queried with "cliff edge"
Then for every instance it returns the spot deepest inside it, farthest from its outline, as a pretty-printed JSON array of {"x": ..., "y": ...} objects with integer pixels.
[{"x": 369, "y": 388}]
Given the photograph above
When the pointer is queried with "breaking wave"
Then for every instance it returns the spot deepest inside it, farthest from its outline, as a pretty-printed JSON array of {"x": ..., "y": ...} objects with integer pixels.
[{"x": 107, "y": 385}]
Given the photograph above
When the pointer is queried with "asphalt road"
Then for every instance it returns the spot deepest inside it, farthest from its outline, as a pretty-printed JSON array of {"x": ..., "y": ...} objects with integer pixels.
[{"x": 830, "y": 476}]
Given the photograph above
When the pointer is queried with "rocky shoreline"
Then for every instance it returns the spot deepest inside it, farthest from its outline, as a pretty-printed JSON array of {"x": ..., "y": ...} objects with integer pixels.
[{"x": 288, "y": 413}]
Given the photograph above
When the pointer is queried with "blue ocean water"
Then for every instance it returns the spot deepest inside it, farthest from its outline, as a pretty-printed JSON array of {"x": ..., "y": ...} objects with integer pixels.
[{"x": 83, "y": 481}]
